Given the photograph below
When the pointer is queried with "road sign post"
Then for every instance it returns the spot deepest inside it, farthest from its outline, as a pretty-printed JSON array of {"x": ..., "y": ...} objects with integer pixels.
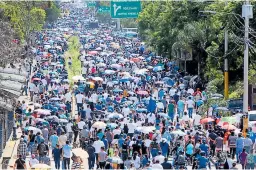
[
  {"x": 104, "y": 9},
  {"x": 125, "y": 9},
  {"x": 91, "y": 4}
]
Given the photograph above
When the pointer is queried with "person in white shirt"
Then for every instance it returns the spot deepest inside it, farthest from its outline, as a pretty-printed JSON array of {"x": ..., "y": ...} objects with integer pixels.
[
  {"x": 97, "y": 145},
  {"x": 131, "y": 127},
  {"x": 190, "y": 91},
  {"x": 94, "y": 98},
  {"x": 136, "y": 160},
  {"x": 157, "y": 165},
  {"x": 79, "y": 101},
  {"x": 197, "y": 119},
  {"x": 84, "y": 70},
  {"x": 33, "y": 161},
  {"x": 116, "y": 131},
  {"x": 105, "y": 95},
  {"x": 186, "y": 119},
  {"x": 172, "y": 91},
  {"x": 151, "y": 118},
  {"x": 190, "y": 106},
  {"x": 159, "y": 157},
  {"x": 126, "y": 111},
  {"x": 68, "y": 97},
  {"x": 62, "y": 139},
  {"x": 88, "y": 112},
  {"x": 69, "y": 130},
  {"x": 147, "y": 141},
  {"x": 81, "y": 124},
  {"x": 157, "y": 136}
]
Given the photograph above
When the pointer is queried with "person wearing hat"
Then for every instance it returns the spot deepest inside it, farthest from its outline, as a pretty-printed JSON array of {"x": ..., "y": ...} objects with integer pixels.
[{"x": 33, "y": 161}]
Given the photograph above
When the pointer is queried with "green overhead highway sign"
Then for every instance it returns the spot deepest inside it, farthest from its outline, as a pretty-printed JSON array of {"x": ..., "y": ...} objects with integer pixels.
[
  {"x": 103, "y": 9},
  {"x": 91, "y": 4},
  {"x": 125, "y": 9}
]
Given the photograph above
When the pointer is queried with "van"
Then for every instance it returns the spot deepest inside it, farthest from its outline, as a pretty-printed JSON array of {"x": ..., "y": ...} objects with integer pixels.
[{"x": 251, "y": 118}]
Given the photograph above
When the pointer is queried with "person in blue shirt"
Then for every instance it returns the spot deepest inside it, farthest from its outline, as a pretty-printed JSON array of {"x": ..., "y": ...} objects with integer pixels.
[
  {"x": 56, "y": 152},
  {"x": 239, "y": 145},
  {"x": 252, "y": 135},
  {"x": 161, "y": 94},
  {"x": 105, "y": 141},
  {"x": 100, "y": 134},
  {"x": 120, "y": 141},
  {"x": 39, "y": 138},
  {"x": 202, "y": 161},
  {"x": 54, "y": 139},
  {"x": 67, "y": 154},
  {"x": 157, "y": 126},
  {"x": 180, "y": 107},
  {"x": 98, "y": 106},
  {"x": 167, "y": 135},
  {"x": 151, "y": 105},
  {"x": 164, "y": 147},
  {"x": 204, "y": 147},
  {"x": 110, "y": 109}
]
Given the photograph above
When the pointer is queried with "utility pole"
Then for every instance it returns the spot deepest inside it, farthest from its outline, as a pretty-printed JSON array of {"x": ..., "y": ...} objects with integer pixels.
[
  {"x": 247, "y": 14},
  {"x": 226, "y": 63},
  {"x": 118, "y": 24}
]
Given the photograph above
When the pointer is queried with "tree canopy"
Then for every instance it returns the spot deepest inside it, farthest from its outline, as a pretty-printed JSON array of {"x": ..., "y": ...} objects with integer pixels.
[{"x": 171, "y": 26}]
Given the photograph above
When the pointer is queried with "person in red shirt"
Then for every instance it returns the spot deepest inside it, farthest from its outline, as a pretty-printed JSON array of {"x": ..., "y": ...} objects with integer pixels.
[{"x": 93, "y": 70}]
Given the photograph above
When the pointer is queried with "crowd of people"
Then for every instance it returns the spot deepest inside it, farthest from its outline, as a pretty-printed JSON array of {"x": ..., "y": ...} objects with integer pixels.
[{"x": 135, "y": 110}]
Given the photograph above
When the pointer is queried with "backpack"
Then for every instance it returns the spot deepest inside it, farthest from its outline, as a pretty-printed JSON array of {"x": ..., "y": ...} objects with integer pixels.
[
  {"x": 181, "y": 160},
  {"x": 42, "y": 149}
]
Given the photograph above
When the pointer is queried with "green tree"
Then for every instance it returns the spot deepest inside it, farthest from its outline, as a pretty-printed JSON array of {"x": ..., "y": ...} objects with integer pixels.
[
  {"x": 24, "y": 17},
  {"x": 52, "y": 13}
]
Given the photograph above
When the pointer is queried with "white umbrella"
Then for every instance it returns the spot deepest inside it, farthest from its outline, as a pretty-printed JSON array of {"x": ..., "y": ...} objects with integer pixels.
[
  {"x": 117, "y": 66},
  {"x": 125, "y": 74},
  {"x": 41, "y": 166},
  {"x": 78, "y": 77},
  {"x": 35, "y": 130},
  {"x": 63, "y": 121},
  {"x": 97, "y": 79},
  {"x": 53, "y": 117},
  {"x": 101, "y": 65},
  {"x": 115, "y": 115},
  {"x": 109, "y": 72},
  {"x": 178, "y": 132},
  {"x": 47, "y": 46},
  {"x": 99, "y": 125},
  {"x": 43, "y": 112},
  {"x": 160, "y": 105},
  {"x": 146, "y": 129}
]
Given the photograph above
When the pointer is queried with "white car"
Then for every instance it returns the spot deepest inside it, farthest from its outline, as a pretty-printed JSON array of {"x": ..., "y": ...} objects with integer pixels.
[{"x": 252, "y": 118}]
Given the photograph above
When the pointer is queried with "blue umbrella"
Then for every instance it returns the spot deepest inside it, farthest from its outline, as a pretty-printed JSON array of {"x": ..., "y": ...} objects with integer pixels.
[
  {"x": 112, "y": 125},
  {"x": 163, "y": 115},
  {"x": 157, "y": 68},
  {"x": 63, "y": 116},
  {"x": 117, "y": 90},
  {"x": 140, "y": 110},
  {"x": 124, "y": 80}
]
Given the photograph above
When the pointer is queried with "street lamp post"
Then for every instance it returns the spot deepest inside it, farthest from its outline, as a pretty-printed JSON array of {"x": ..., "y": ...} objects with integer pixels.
[{"x": 247, "y": 14}]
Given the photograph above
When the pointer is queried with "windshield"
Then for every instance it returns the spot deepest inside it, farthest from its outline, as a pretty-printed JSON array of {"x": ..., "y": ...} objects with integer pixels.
[{"x": 252, "y": 117}]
